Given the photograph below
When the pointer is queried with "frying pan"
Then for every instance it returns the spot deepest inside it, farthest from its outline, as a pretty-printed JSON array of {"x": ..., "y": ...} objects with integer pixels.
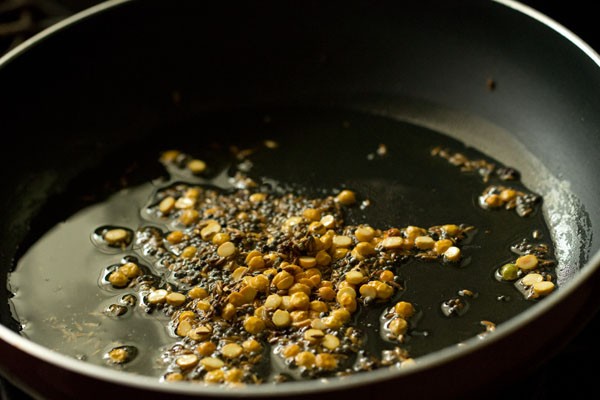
[{"x": 101, "y": 84}]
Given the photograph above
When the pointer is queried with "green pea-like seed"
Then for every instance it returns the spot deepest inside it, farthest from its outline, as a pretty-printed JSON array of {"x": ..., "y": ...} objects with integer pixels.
[{"x": 509, "y": 272}]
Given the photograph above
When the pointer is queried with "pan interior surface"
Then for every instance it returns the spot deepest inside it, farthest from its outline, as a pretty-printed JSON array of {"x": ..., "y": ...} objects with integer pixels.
[{"x": 383, "y": 154}]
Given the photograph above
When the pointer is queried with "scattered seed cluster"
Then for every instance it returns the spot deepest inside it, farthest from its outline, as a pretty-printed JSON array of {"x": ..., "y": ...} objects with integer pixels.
[
  {"x": 531, "y": 271},
  {"x": 260, "y": 286},
  {"x": 498, "y": 196},
  {"x": 494, "y": 196},
  {"x": 484, "y": 168},
  {"x": 285, "y": 273},
  {"x": 252, "y": 278}
]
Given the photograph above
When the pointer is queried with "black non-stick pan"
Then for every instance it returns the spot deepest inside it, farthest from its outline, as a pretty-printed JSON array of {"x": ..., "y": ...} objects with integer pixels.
[{"x": 88, "y": 105}]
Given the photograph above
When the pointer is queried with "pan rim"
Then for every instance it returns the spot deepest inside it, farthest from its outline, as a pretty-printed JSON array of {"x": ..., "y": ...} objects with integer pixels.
[
  {"x": 437, "y": 358},
  {"x": 434, "y": 359},
  {"x": 553, "y": 24}
]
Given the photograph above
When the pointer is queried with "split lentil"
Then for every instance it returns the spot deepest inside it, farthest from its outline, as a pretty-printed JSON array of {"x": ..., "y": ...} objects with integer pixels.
[{"x": 288, "y": 272}]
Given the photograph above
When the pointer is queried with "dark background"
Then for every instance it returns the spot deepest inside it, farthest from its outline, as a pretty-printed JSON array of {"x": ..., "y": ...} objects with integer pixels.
[
  {"x": 567, "y": 371},
  {"x": 579, "y": 16}
]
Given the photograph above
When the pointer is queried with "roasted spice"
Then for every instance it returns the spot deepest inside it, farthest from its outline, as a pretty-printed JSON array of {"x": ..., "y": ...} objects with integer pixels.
[
  {"x": 253, "y": 268},
  {"x": 252, "y": 271}
]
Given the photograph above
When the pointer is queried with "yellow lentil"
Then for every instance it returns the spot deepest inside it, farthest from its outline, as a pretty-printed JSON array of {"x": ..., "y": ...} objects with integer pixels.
[
  {"x": 364, "y": 233},
  {"x": 173, "y": 377},
  {"x": 452, "y": 254},
  {"x": 187, "y": 361},
  {"x": 398, "y": 326},
  {"x": 187, "y": 314},
  {"x": 227, "y": 249},
  {"x": 189, "y": 252},
  {"x": 300, "y": 318},
  {"x": 299, "y": 301},
  {"x": 210, "y": 230},
  {"x": 317, "y": 227},
  {"x": 342, "y": 241},
  {"x": 196, "y": 166},
  {"x": 312, "y": 214},
  {"x": 281, "y": 318},
  {"x": 326, "y": 241},
  {"x": 214, "y": 376},
  {"x": 158, "y": 296},
  {"x": 531, "y": 278},
  {"x": 283, "y": 280},
  {"x": 451, "y": 229},
  {"x": 392, "y": 242},
  {"x": 318, "y": 306},
  {"x": 231, "y": 350},
  {"x": 130, "y": 270},
  {"x": 212, "y": 363},
  {"x": 254, "y": 325},
  {"x": 203, "y": 305},
  {"x": 346, "y": 197},
  {"x": 365, "y": 249},
  {"x": 175, "y": 299},
  {"x": 424, "y": 242},
  {"x": 307, "y": 262},
  {"x": 543, "y": 288},
  {"x": 248, "y": 293},
  {"x": 339, "y": 253},
  {"x": 239, "y": 273},
  {"x": 192, "y": 193},
  {"x": 183, "y": 203},
  {"x": 118, "y": 279},
  {"x": 341, "y": 314},
  {"x": 117, "y": 236},
  {"x": 256, "y": 263},
  {"x": 198, "y": 293},
  {"x": 183, "y": 327},
  {"x": 305, "y": 359},
  {"x": 413, "y": 232},
  {"x": 442, "y": 245},
  {"x": 259, "y": 282},
  {"x": 354, "y": 277},
  {"x": 326, "y": 293},
  {"x": 527, "y": 262},
  {"x": 175, "y": 237},
  {"x": 257, "y": 197},
  {"x": 328, "y": 221},
  {"x": 205, "y": 349},
  {"x": 169, "y": 156},
  {"x": 386, "y": 276},
  {"x": 234, "y": 375},
  {"x": 326, "y": 361},
  {"x": 323, "y": 258},
  {"x": 493, "y": 200},
  {"x": 220, "y": 237},
  {"x": 404, "y": 309},
  {"x": 251, "y": 346},
  {"x": 384, "y": 291},
  {"x": 166, "y": 205},
  {"x": 291, "y": 350},
  {"x": 189, "y": 217},
  {"x": 330, "y": 342},
  {"x": 367, "y": 291},
  {"x": 118, "y": 355},
  {"x": 272, "y": 301},
  {"x": 507, "y": 195}
]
